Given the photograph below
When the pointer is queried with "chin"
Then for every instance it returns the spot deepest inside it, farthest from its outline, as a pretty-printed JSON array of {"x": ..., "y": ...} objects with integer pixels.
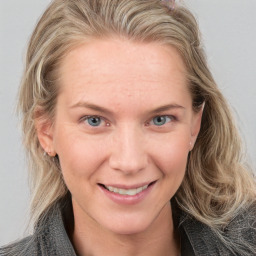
[
  {"x": 128, "y": 229},
  {"x": 129, "y": 225}
]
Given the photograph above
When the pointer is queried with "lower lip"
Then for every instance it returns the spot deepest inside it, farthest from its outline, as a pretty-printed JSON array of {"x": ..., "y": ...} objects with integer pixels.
[{"x": 126, "y": 199}]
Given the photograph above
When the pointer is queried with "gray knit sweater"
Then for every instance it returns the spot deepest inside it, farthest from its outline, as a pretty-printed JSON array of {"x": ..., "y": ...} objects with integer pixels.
[{"x": 50, "y": 237}]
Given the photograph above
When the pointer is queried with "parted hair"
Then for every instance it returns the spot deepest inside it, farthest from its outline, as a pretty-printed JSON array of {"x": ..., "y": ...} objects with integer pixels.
[{"x": 217, "y": 184}]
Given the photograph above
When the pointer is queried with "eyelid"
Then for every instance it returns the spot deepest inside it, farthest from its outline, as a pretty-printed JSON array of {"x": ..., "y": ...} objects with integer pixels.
[
  {"x": 86, "y": 117},
  {"x": 172, "y": 117},
  {"x": 107, "y": 123}
]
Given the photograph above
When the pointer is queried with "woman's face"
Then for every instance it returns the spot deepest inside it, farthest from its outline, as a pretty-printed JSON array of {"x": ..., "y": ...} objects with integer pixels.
[{"x": 123, "y": 129}]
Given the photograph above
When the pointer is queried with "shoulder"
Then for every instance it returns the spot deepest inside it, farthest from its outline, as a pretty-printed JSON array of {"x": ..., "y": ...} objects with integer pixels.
[
  {"x": 242, "y": 229},
  {"x": 238, "y": 238},
  {"x": 49, "y": 238},
  {"x": 26, "y": 246}
]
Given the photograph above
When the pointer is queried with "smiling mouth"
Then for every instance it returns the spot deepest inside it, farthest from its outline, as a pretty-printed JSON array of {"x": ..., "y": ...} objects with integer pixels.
[{"x": 128, "y": 192}]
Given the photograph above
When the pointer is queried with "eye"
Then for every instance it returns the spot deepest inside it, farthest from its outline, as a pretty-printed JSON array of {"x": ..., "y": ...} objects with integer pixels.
[
  {"x": 94, "y": 121},
  {"x": 161, "y": 120}
]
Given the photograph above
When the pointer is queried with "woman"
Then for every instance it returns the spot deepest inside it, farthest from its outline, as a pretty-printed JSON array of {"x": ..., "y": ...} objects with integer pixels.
[{"x": 121, "y": 116}]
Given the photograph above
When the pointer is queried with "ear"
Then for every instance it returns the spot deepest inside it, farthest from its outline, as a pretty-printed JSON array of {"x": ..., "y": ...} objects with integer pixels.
[
  {"x": 44, "y": 130},
  {"x": 196, "y": 125}
]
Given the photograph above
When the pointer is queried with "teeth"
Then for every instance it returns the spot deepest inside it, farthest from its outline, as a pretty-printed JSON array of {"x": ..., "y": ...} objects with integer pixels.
[{"x": 129, "y": 192}]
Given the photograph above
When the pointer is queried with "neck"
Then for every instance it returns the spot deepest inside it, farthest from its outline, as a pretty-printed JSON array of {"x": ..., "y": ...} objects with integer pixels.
[{"x": 159, "y": 239}]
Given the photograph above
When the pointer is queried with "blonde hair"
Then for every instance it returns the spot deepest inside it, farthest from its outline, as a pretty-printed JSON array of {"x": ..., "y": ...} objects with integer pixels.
[{"x": 216, "y": 185}]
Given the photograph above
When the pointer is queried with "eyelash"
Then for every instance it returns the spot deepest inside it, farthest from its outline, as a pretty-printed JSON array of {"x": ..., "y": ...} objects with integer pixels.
[
  {"x": 86, "y": 118},
  {"x": 148, "y": 123},
  {"x": 171, "y": 117}
]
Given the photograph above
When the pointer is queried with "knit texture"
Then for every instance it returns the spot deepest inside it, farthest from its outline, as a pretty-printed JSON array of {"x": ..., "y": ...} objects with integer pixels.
[{"x": 50, "y": 237}]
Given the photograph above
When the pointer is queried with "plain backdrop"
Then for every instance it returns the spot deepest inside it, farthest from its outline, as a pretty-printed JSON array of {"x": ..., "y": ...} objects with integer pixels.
[{"x": 229, "y": 35}]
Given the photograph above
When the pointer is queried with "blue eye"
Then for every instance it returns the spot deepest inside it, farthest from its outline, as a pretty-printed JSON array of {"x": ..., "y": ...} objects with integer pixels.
[
  {"x": 94, "y": 120},
  {"x": 161, "y": 120}
]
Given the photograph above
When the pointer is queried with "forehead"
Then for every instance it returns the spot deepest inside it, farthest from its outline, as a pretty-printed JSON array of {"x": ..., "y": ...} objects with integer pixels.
[{"x": 121, "y": 68}]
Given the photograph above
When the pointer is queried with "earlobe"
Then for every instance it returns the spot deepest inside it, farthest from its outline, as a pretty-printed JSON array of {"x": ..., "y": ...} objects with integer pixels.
[{"x": 44, "y": 130}]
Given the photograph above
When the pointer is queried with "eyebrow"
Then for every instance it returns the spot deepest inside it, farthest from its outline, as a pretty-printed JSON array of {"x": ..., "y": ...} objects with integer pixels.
[
  {"x": 167, "y": 107},
  {"x": 91, "y": 106},
  {"x": 107, "y": 111}
]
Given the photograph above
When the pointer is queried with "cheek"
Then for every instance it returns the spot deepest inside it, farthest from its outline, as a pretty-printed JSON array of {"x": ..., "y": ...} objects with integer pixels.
[
  {"x": 78, "y": 166},
  {"x": 171, "y": 155},
  {"x": 78, "y": 155}
]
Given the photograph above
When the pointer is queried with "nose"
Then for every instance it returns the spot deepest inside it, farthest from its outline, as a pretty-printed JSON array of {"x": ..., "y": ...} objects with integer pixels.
[{"x": 128, "y": 153}]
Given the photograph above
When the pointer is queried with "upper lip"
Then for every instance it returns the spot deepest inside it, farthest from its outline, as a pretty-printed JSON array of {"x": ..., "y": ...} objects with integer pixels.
[{"x": 125, "y": 186}]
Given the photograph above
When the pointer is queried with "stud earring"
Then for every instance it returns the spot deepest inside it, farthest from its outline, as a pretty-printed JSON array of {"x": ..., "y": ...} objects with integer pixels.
[
  {"x": 49, "y": 153},
  {"x": 190, "y": 145}
]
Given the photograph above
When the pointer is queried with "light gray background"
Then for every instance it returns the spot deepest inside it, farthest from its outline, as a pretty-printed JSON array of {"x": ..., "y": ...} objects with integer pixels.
[{"x": 229, "y": 33}]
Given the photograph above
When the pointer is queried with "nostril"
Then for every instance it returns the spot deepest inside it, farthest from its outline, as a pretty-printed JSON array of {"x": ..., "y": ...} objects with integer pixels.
[{"x": 127, "y": 163}]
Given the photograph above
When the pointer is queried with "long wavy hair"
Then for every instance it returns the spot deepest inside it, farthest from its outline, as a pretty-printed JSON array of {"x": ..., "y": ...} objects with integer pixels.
[{"x": 217, "y": 183}]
